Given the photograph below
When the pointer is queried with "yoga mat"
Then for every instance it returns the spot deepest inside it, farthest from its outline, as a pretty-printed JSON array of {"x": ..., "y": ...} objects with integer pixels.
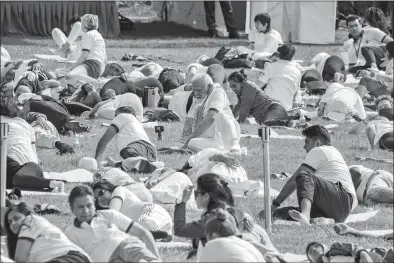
[
  {"x": 185, "y": 245},
  {"x": 380, "y": 232},
  {"x": 49, "y": 57},
  {"x": 30, "y": 193},
  {"x": 150, "y": 125},
  {"x": 273, "y": 136},
  {"x": 73, "y": 176},
  {"x": 360, "y": 217},
  {"x": 388, "y": 161},
  {"x": 290, "y": 257},
  {"x": 331, "y": 126}
]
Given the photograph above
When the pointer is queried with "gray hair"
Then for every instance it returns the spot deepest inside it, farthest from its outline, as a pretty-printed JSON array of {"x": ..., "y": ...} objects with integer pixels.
[{"x": 203, "y": 77}]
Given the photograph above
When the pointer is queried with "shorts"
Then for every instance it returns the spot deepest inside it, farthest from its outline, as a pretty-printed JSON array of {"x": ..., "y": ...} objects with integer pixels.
[
  {"x": 140, "y": 148},
  {"x": 93, "y": 68}
]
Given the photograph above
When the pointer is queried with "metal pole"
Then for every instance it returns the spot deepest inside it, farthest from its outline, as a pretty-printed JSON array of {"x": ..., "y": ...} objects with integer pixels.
[
  {"x": 4, "y": 134},
  {"x": 265, "y": 138}
]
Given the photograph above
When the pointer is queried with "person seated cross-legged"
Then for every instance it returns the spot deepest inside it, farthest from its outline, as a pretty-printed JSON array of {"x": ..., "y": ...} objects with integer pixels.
[
  {"x": 108, "y": 236},
  {"x": 131, "y": 138},
  {"x": 323, "y": 182}
]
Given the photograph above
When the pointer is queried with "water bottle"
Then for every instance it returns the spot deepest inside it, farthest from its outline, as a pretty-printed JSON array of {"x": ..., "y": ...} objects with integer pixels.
[{"x": 76, "y": 141}]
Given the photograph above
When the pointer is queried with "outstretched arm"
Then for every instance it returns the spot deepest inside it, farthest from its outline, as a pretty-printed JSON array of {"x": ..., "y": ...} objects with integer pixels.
[
  {"x": 102, "y": 144},
  {"x": 343, "y": 229}
]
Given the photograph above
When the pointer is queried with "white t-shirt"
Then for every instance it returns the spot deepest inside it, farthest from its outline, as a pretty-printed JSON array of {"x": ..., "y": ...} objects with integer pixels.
[
  {"x": 265, "y": 42},
  {"x": 5, "y": 57},
  {"x": 102, "y": 236},
  {"x": 156, "y": 69},
  {"x": 381, "y": 127},
  {"x": 127, "y": 99},
  {"x": 130, "y": 130},
  {"x": 49, "y": 242},
  {"x": 284, "y": 80},
  {"x": 330, "y": 165},
  {"x": 141, "y": 212},
  {"x": 372, "y": 37},
  {"x": 21, "y": 140},
  {"x": 230, "y": 249},
  {"x": 93, "y": 42},
  {"x": 320, "y": 60},
  {"x": 117, "y": 177}
]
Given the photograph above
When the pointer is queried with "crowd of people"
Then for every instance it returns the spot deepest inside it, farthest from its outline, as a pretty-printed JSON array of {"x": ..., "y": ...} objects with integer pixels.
[{"x": 119, "y": 218}]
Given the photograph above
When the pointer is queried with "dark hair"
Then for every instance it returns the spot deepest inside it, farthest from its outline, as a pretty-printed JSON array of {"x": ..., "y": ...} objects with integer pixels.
[
  {"x": 318, "y": 132},
  {"x": 126, "y": 109},
  {"x": 103, "y": 184},
  {"x": 286, "y": 52},
  {"x": 79, "y": 191},
  {"x": 238, "y": 76},
  {"x": 74, "y": 19},
  {"x": 376, "y": 18},
  {"x": 351, "y": 18},
  {"x": 390, "y": 49},
  {"x": 263, "y": 18},
  {"x": 217, "y": 189},
  {"x": 9, "y": 107},
  {"x": 220, "y": 221},
  {"x": 11, "y": 237}
]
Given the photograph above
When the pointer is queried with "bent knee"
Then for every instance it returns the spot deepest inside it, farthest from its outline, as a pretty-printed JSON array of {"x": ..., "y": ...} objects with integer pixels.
[
  {"x": 56, "y": 31},
  {"x": 304, "y": 175}
]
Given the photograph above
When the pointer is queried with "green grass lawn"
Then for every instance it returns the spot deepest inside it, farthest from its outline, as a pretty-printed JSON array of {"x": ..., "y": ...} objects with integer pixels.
[{"x": 286, "y": 155}]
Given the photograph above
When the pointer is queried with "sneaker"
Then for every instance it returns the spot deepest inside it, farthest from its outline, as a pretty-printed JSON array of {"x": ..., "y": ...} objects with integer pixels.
[
  {"x": 57, "y": 186},
  {"x": 213, "y": 33},
  {"x": 234, "y": 35}
]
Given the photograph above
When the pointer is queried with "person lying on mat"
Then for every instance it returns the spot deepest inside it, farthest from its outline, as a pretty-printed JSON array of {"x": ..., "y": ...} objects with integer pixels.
[
  {"x": 130, "y": 137},
  {"x": 149, "y": 215},
  {"x": 323, "y": 182},
  {"x": 382, "y": 84},
  {"x": 317, "y": 252},
  {"x": 210, "y": 122},
  {"x": 118, "y": 177},
  {"x": 264, "y": 41},
  {"x": 379, "y": 129},
  {"x": 31, "y": 238},
  {"x": 108, "y": 235},
  {"x": 282, "y": 78},
  {"x": 93, "y": 57},
  {"x": 22, "y": 161},
  {"x": 106, "y": 109},
  {"x": 212, "y": 192},
  {"x": 69, "y": 47},
  {"x": 343, "y": 229},
  {"x": 254, "y": 101},
  {"x": 372, "y": 187},
  {"x": 223, "y": 235}
]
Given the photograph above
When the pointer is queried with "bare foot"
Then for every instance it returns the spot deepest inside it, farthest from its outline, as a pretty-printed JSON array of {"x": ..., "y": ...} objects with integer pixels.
[
  {"x": 342, "y": 229},
  {"x": 303, "y": 219}
]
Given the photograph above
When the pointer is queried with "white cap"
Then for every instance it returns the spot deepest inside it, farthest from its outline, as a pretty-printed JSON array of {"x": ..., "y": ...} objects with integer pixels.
[{"x": 88, "y": 163}]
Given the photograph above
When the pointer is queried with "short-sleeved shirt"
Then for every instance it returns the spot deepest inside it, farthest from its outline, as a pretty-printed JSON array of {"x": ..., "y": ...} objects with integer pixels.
[
  {"x": 372, "y": 37},
  {"x": 127, "y": 99},
  {"x": 261, "y": 40},
  {"x": 129, "y": 130},
  {"x": 284, "y": 80},
  {"x": 117, "y": 177},
  {"x": 328, "y": 163},
  {"x": 218, "y": 100},
  {"x": 93, "y": 42},
  {"x": 21, "y": 140},
  {"x": 100, "y": 238},
  {"x": 49, "y": 242}
]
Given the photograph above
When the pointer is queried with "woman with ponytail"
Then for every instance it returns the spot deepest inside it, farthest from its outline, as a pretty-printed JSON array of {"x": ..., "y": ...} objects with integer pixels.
[
  {"x": 212, "y": 192},
  {"x": 254, "y": 101},
  {"x": 223, "y": 235}
]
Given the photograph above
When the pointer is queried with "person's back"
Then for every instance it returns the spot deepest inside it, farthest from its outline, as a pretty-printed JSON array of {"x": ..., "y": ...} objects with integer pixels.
[
  {"x": 261, "y": 101},
  {"x": 97, "y": 45},
  {"x": 283, "y": 83},
  {"x": 332, "y": 167},
  {"x": 119, "y": 85},
  {"x": 130, "y": 130},
  {"x": 20, "y": 140},
  {"x": 232, "y": 249}
]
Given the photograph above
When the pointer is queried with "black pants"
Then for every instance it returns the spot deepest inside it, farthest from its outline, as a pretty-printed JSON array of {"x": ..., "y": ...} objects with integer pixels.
[
  {"x": 386, "y": 141},
  {"x": 72, "y": 256},
  {"x": 371, "y": 55},
  {"x": 228, "y": 15},
  {"x": 274, "y": 112},
  {"x": 27, "y": 176},
  {"x": 328, "y": 199},
  {"x": 76, "y": 108}
]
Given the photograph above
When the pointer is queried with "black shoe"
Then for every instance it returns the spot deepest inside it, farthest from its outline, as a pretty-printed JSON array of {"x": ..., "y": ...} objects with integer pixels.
[
  {"x": 213, "y": 33},
  {"x": 234, "y": 35}
]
